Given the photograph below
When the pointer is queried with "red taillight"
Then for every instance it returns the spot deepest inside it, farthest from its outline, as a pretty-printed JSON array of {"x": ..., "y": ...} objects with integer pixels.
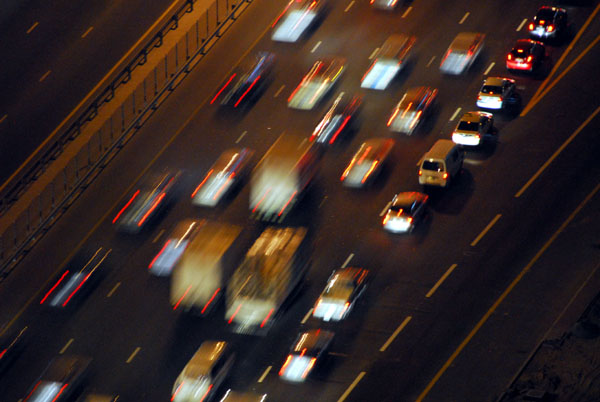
[
  {"x": 445, "y": 176},
  {"x": 54, "y": 287},
  {"x": 529, "y": 58},
  {"x": 420, "y": 172},
  {"x": 385, "y": 219},
  {"x": 550, "y": 28},
  {"x": 478, "y": 97},
  {"x": 409, "y": 220},
  {"x": 159, "y": 253},
  {"x": 509, "y": 56},
  {"x": 531, "y": 26},
  {"x": 287, "y": 362},
  {"x": 309, "y": 367}
]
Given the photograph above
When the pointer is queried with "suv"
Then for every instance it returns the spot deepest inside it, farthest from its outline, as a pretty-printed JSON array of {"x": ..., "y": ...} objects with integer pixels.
[{"x": 441, "y": 164}]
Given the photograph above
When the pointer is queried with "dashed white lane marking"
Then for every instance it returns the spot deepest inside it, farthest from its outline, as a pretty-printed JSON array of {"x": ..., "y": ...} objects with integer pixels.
[
  {"x": 135, "y": 352},
  {"x": 278, "y": 91},
  {"x": 485, "y": 230},
  {"x": 241, "y": 136},
  {"x": 384, "y": 210},
  {"x": 262, "y": 377},
  {"x": 464, "y": 18},
  {"x": 316, "y": 47},
  {"x": 487, "y": 70},
  {"x": 406, "y": 12},
  {"x": 46, "y": 74},
  {"x": 373, "y": 54},
  {"x": 158, "y": 236},
  {"x": 347, "y": 260},
  {"x": 349, "y": 6},
  {"x": 441, "y": 280},
  {"x": 395, "y": 334},
  {"x": 352, "y": 386},
  {"x": 431, "y": 61},
  {"x": 35, "y": 24},
  {"x": 456, "y": 112},
  {"x": 86, "y": 33},
  {"x": 306, "y": 316},
  {"x": 64, "y": 349},
  {"x": 521, "y": 24},
  {"x": 114, "y": 289},
  {"x": 323, "y": 201}
]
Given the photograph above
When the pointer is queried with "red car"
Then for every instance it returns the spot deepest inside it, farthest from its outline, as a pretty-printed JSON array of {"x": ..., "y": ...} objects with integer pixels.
[{"x": 526, "y": 55}]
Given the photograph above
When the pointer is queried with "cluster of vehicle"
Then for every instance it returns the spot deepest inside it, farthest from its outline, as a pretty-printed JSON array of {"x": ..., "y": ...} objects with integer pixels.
[{"x": 209, "y": 263}]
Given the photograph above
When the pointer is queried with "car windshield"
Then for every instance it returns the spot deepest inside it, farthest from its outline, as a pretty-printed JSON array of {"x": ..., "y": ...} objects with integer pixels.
[
  {"x": 435, "y": 166},
  {"x": 468, "y": 126},
  {"x": 398, "y": 208},
  {"x": 491, "y": 89}
]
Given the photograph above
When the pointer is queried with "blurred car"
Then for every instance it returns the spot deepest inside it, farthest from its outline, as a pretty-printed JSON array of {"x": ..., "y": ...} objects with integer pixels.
[
  {"x": 317, "y": 83},
  {"x": 388, "y": 60},
  {"x": 296, "y": 18},
  {"x": 162, "y": 264},
  {"x": 61, "y": 379},
  {"x": 366, "y": 162},
  {"x": 414, "y": 106},
  {"x": 462, "y": 52},
  {"x": 153, "y": 194},
  {"x": 472, "y": 128},
  {"x": 405, "y": 210},
  {"x": 11, "y": 345},
  {"x": 548, "y": 23},
  {"x": 247, "y": 82},
  {"x": 235, "y": 396},
  {"x": 384, "y": 4},
  {"x": 98, "y": 398},
  {"x": 309, "y": 348},
  {"x": 228, "y": 171},
  {"x": 344, "y": 287},
  {"x": 338, "y": 118},
  {"x": 496, "y": 93},
  {"x": 526, "y": 55},
  {"x": 79, "y": 277}
]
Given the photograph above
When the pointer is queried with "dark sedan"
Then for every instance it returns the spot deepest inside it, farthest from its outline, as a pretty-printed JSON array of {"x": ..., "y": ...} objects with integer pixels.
[
  {"x": 61, "y": 380},
  {"x": 337, "y": 119},
  {"x": 526, "y": 55},
  {"x": 548, "y": 23}
]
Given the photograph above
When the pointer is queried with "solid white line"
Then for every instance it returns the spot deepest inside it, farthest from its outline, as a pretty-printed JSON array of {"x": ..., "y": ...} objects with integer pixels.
[
  {"x": 441, "y": 280},
  {"x": 521, "y": 24},
  {"x": 306, "y": 316},
  {"x": 406, "y": 12},
  {"x": 64, "y": 349},
  {"x": 349, "y": 6},
  {"x": 455, "y": 114},
  {"x": 463, "y": 18},
  {"x": 431, "y": 61},
  {"x": 383, "y": 211},
  {"x": 135, "y": 352},
  {"x": 351, "y": 387},
  {"x": 395, "y": 334},
  {"x": 262, "y": 377},
  {"x": 240, "y": 137},
  {"x": 45, "y": 76},
  {"x": 35, "y": 24},
  {"x": 558, "y": 151},
  {"x": 316, "y": 46},
  {"x": 485, "y": 230},
  {"x": 373, "y": 54},
  {"x": 487, "y": 70},
  {"x": 158, "y": 236},
  {"x": 87, "y": 32},
  {"x": 279, "y": 91},
  {"x": 347, "y": 260},
  {"x": 113, "y": 289}
]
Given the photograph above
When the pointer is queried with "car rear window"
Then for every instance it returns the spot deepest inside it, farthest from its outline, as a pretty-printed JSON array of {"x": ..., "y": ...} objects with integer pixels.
[
  {"x": 491, "y": 89},
  {"x": 468, "y": 126},
  {"x": 547, "y": 15},
  {"x": 435, "y": 166}
]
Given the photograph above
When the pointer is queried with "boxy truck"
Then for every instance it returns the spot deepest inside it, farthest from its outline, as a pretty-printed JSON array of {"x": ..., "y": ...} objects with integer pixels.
[
  {"x": 282, "y": 176},
  {"x": 198, "y": 279},
  {"x": 274, "y": 267}
]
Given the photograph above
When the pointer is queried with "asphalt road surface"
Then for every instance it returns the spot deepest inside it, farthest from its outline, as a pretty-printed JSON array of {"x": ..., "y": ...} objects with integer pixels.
[{"x": 418, "y": 333}]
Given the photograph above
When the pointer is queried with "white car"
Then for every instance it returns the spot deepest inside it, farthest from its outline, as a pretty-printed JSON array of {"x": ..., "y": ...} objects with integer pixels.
[
  {"x": 414, "y": 106},
  {"x": 472, "y": 128},
  {"x": 344, "y": 287},
  {"x": 317, "y": 83},
  {"x": 295, "y": 19},
  {"x": 389, "y": 59},
  {"x": 309, "y": 348},
  {"x": 405, "y": 210},
  {"x": 462, "y": 52},
  {"x": 496, "y": 93},
  {"x": 162, "y": 264},
  {"x": 366, "y": 163}
]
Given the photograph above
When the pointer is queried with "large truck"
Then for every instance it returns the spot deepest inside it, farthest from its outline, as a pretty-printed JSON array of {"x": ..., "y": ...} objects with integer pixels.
[
  {"x": 198, "y": 279},
  {"x": 274, "y": 267},
  {"x": 281, "y": 177}
]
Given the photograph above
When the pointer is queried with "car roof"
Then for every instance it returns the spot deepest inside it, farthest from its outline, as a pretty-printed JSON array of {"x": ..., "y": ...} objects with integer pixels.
[
  {"x": 494, "y": 81},
  {"x": 184, "y": 227},
  {"x": 231, "y": 158},
  {"x": 378, "y": 146},
  {"x": 471, "y": 117},
  {"x": 408, "y": 197},
  {"x": 327, "y": 66},
  {"x": 313, "y": 341},
  {"x": 394, "y": 45},
  {"x": 464, "y": 40},
  {"x": 64, "y": 368},
  {"x": 204, "y": 358}
]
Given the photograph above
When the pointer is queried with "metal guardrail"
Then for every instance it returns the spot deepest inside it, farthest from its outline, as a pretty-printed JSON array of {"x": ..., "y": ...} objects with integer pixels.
[{"x": 81, "y": 170}]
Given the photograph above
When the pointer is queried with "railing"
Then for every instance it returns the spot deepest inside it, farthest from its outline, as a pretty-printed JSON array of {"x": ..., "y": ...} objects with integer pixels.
[{"x": 45, "y": 207}]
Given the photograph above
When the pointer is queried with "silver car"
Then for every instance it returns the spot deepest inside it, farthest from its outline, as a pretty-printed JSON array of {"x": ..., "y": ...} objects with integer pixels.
[
  {"x": 344, "y": 287},
  {"x": 405, "y": 210},
  {"x": 472, "y": 128},
  {"x": 296, "y": 18},
  {"x": 412, "y": 109},
  {"x": 462, "y": 52},
  {"x": 317, "y": 83},
  {"x": 367, "y": 161},
  {"x": 496, "y": 93}
]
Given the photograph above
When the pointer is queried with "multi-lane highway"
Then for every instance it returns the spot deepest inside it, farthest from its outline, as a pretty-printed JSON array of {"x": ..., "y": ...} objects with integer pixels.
[
  {"x": 54, "y": 54},
  {"x": 453, "y": 309}
]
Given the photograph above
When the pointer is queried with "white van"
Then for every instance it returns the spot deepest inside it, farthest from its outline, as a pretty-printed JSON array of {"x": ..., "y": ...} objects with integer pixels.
[
  {"x": 441, "y": 164},
  {"x": 204, "y": 373}
]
